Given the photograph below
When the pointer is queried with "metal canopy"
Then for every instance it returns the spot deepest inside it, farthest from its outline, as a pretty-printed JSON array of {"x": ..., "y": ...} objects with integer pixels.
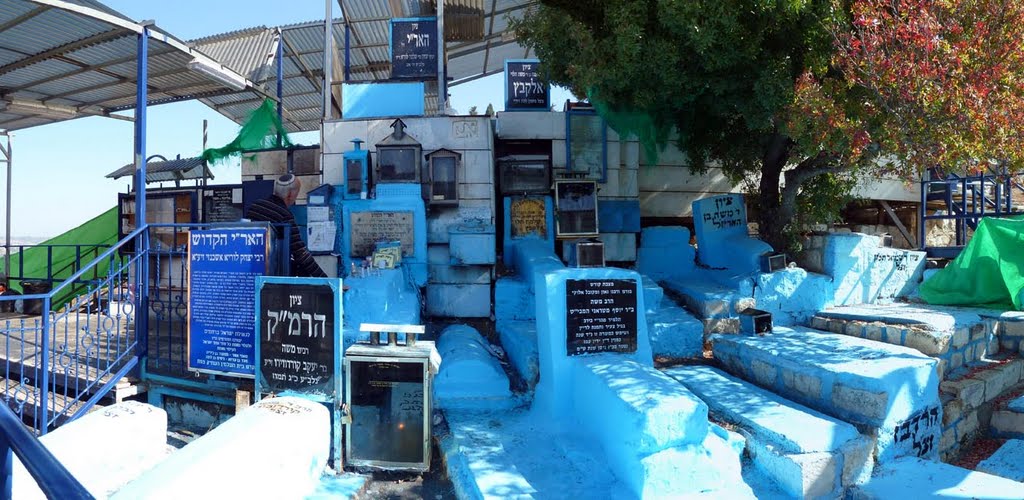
[
  {"x": 252, "y": 52},
  {"x": 64, "y": 59},
  {"x": 170, "y": 170}
]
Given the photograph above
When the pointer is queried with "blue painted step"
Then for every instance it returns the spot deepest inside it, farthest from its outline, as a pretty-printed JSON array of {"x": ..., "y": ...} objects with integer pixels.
[
  {"x": 890, "y": 388},
  {"x": 808, "y": 454},
  {"x": 909, "y": 477},
  {"x": 1007, "y": 461},
  {"x": 707, "y": 300}
]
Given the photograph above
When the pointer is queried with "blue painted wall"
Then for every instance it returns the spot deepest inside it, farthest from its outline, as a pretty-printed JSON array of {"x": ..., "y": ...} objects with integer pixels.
[
  {"x": 381, "y": 100},
  {"x": 509, "y": 243},
  {"x": 392, "y": 198}
]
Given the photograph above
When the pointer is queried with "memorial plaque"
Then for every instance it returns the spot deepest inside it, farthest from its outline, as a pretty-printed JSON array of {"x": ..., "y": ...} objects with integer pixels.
[
  {"x": 222, "y": 270},
  {"x": 600, "y": 316},
  {"x": 297, "y": 338},
  {"x": 524, "y": 90},
  {"x": 368, "y": 228},
  {"x": 222, "y": 205},
  {"x": 414, "y": 48},
  {"x": 529, "y": 217}
]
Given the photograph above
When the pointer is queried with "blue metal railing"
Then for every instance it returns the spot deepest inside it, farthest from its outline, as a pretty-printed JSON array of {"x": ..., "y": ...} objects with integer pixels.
[
  {"x": 83, "y": 253},
  {"x": 973, "y": 204},
  {"x": 59, "y": 364},
  {"x": 53, "y": 479}
]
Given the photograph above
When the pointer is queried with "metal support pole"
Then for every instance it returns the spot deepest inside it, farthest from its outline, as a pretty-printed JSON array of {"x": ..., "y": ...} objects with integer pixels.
[
  {"x": 142, "y": 240},
  {"x": 442, "y": 92},
  {"x": 205, "y": 136},
  {"x": 280, "y": 83},
  {"x": 347, "y": 62},
  {"x": 8, "y": 152},
  {"x": 328, "y": 56}
]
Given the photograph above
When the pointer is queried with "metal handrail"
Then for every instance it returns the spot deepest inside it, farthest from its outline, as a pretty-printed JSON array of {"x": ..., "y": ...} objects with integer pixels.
[
  {"x": 52, "y": 477},
  {"x": 110, "y": 251}
]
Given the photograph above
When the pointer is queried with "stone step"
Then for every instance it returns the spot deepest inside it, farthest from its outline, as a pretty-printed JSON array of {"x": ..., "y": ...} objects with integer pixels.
[
  {"x": 675, "y": 332},
  {"x": 969, "y": 395},
  {"x": 808, "y": 454},
  {"x": 911, "y": 477},
  {"x": 887, "y": 390},
  {"x": 1008, "y": 420},
  {"x": 1007, "y": 461},
  {"x": 955, "y": 336},
  {"x": 707, "y": 300}
]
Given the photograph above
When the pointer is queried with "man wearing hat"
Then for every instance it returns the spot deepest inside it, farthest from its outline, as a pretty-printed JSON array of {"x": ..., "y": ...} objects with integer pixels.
[{"x": 275, "y": 210}]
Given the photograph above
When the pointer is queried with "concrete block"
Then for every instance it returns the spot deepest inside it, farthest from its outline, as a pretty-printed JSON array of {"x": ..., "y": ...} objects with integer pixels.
[
  {"x": 459, "y": 301},
  {"x": 472, "y": 244},
  {"x": 894, "y": 335},
  {"x": 872, "y": 405},
  {"x": 819, "y": 323},
  {"x": 806, "y": 475},
  {"x": 978, "y": 333},
  {"x": 874, "y": 332},
  {"x": 970, "y": 391}
]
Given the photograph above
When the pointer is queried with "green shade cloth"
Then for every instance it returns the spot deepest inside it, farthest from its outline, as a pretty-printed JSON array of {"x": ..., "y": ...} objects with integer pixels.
[
  {"x": 31, "y": 264},
  {"x": 988, "y": 272},
  {"x": 261, "y": 131}
]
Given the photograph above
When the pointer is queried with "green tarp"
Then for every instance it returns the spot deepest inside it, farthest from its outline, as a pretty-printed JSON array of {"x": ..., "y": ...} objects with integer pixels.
[
  {"x": 93, "y": 238},
  {"x": 261, "y": 131},
  {"x": 989, "y": 271}
]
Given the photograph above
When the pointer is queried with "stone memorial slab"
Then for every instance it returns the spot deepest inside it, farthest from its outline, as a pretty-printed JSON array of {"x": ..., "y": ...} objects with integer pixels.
[
  {"x": 720, "y": 226},
  {"x": 529, "y": 217},
  {"x": 366, "y": 229}
]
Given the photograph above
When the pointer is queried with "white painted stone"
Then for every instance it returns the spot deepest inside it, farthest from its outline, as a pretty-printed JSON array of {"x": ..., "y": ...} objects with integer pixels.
[
  {"x": 806, "y": 475},
  {"x": 334, "y": 172},
  {"x": 292, "y": 451},
  {"x": 930, "y": 343},
  {"x": 874, "y": 332},
  {"x": 103, "y": 450},
  {"x": 477, "y": 167},
  {"x": 858, "y": 461},
  {"x": 894, "y": 335}
]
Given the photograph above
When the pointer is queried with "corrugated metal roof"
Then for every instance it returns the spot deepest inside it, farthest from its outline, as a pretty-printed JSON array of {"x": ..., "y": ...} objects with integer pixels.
[
  {"x": 478, "y": 46},
  {"x": 63, "y": 59},
  {"x": 165, "y": 171}
]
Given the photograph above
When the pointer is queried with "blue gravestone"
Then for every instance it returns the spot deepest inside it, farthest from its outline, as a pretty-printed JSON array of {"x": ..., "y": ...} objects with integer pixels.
[
  {"x": 720, "y": 225},
  {"x": 222, "y": 271}
]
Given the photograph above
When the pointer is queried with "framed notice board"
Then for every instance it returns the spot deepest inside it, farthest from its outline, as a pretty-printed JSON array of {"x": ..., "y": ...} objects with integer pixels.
[
  {"x": 600, "y": 316},
  {"x": 414, "y": 48},
  {"x": 524, "y": 90},
  {"x": 223, "y": 265},
  {"x": 299, "y": 346}
]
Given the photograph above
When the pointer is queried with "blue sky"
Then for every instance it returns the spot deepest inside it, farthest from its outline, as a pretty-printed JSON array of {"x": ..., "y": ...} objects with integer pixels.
[{"x": 58, "y": 177}]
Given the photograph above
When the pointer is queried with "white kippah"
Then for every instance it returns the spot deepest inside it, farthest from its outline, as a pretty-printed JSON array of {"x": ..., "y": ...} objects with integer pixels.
[{"x": 285, "y": 180}]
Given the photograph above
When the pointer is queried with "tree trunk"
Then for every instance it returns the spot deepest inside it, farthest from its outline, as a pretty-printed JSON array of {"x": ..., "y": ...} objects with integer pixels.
[{"x": 771, "y": 217}]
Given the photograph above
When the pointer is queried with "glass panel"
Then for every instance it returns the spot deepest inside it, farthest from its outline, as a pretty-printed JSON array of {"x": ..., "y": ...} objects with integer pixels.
[
  {"x": 353, "y": 176},
  {"x": 443, "y": 177},
  {"x": 397, "y": 164},
  {"x": 387, "y": 411},
  {"x": 577, "y": 208},
  {"x": 517, "y": 178},
  {"x": 586, "y": 145}
]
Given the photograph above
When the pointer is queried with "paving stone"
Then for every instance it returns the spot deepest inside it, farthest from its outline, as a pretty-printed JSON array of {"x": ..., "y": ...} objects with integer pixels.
[
  {"x": 807, "y": 385},
  {"x": 928, "y": 342},
  {"x": 764, "y": 373},
  {"x": 870, "y": 404},
  {"x": 970, "y": 391},
  {"x": 967, "y": 426},
  {"x": 960, "y": 337},
  {"x": 952, "y": 410}
]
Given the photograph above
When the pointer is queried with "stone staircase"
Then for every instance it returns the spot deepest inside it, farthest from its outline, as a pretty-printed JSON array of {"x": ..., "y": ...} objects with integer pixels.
[{"x": 806, "y": 453}]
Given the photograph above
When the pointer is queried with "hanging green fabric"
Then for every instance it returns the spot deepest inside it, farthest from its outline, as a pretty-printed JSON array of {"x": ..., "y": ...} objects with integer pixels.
[
  {"x": 652, "y": 137},
  {"x": 263, "y": 130},
  {"x": 988, "y": 272}
]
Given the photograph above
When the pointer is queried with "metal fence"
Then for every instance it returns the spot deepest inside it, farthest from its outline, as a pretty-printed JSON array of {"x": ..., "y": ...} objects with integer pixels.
[
  {"x": 59, "y": 363},
  {"x": 965, "y": 201}
]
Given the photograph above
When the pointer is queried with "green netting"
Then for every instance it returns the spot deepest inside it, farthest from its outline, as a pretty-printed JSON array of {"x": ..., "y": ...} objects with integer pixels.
[
  {"x": 32, "y": 263},
  {"x": 642, "y": 125},
  {"x": 988, "y": 272},
  {"x": 263, "y": 130}
]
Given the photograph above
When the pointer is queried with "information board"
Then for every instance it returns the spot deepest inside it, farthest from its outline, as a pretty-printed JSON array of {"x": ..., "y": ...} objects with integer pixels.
[
  {"x": 298, "y": 335},
  {"x": 368, "y": 228},
  {"x": 524, "y": 90},
  {"x": 223, "y": 265},
  {"x": 529, "y": 216},
  {"x": 414, "y": 48},
  {"x": 222, "y": 204},
  {"x": 600, "y": 316}
]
